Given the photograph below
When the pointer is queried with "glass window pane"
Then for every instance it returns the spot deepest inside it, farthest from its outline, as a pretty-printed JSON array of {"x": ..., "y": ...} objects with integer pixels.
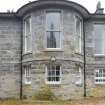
[
  {"x": 78, "y": 26},
  {"x": 49, "y": 72},
  {"x": 57, "y": 67},
  {"x": 98, "y": 48},
  {"x": 27, "y": 77},
  {"x": 57, "y": 79},
  {"x": 53, "y": 79},
  {"x": 49, "y": 78},
  {"x": 27, "y": 25},
  {"x": 53, "y": 39},
  {"x": 99, "y": 39},
  {"x": 29, "y": 43},
  {"x": 78, "y": 34},
  {"x": 57, "y": 72},
  {"x": 28, "y": 40},
  {"x": 53, "y": 20}
]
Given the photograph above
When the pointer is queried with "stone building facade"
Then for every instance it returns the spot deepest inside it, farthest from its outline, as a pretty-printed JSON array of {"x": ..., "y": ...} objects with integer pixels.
[{"x": 56, "y": 43}]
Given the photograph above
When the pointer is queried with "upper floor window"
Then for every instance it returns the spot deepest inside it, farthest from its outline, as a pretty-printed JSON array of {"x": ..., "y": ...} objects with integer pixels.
[
  {"x": 28, "y": 37},
  {"x": 99, "y": 38},
  {"x": 78, "y": 34},
  {"x": 53, "y": 29},
  {"x": 53, "y": 74}
]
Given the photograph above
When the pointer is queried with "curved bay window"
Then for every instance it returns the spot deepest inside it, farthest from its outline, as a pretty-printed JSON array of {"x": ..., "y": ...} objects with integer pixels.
[{"x": 53, "y": 29}]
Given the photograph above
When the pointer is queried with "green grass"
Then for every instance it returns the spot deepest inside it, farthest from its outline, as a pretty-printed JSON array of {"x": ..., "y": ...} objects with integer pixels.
[
  {"x": 31, "y": 102},
  {"x": 86, "y": 101}
]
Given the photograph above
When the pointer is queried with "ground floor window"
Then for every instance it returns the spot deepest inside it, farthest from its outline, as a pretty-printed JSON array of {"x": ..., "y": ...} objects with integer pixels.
[
  {"x": 100, "y": 76},
  {"x": 27, "y": 74},
  {"x": 53, "y": 74},
  {"x": 79, "y": 75}
]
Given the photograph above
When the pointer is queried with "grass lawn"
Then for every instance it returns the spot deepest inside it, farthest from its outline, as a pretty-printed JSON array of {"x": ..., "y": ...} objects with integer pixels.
[
  {"x": 89, "y": 101},
  {"x": 31, "y": 102}
]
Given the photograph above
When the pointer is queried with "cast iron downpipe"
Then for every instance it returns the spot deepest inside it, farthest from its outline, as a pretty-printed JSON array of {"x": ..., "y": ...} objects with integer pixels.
[
  {"x": 21, "y": 72},
  {"x": 84, "y": 51}
]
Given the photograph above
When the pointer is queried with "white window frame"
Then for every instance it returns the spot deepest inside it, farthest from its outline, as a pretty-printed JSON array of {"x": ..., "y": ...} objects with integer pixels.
[
  {"x": 99, "y": 79},
  {"x": 26, "y": 50},
  {"x": 27, "y": 74},
  {"x": 79, "y": 77},
  {"x": 99, "y": 54},
  {"x": 52, "y": 82},
  {"x": 79, "y": 49},
  {"x": 60, "y": 30}
]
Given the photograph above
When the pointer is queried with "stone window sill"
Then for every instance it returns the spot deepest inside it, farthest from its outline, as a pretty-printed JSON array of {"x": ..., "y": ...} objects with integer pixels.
[
  {"x": 99, "y": 55},
  {"x": 27, "y": 53},
  {"x": 79, "y": 53},
  {"x": 53, "y": 50}
]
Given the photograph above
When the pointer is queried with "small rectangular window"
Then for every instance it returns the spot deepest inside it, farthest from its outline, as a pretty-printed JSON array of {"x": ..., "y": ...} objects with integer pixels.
[
  {"x": 28, "y": 36},
  {"x": 53, "y": 29},
  {"x": 78, "y": 34},
  {"x": 53, "y": 74},
  {"x": 100, "y": 76},
  {"x": 27, "y": 74},
  {"x": 79, "y": 76}
]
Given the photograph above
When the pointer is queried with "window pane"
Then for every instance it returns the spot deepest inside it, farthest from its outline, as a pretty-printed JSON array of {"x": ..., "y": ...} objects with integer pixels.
[
  {"x": 27, "y": 25},
  {"x": 57, "y": 67},
  {"x": 53, "y": 70},
  {"x": 29, "y": 43},
  {"x": 78, "y": 34},
  {"x": 57, "y": 70},
  {"x": 49, "y": 78},
  {"x": 98, "y": 48},
  {"x": 53, "y": 20},
  {"x": 53, "y": 39},
  {"x": 53, "y": 79},
  {"x": 99, "y": 39},
  {"x": 78, "y": 26},
  {"x": 49, "y": 72},
  {"x": 57, "y": 79},
  {"x": 28, "y": 39},
  {"x": 26, "y": 75}
]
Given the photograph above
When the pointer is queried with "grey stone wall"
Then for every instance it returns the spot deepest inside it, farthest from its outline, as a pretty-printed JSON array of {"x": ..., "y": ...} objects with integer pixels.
[
  {"x": 11, "y": 30},
  {"x": 93, "y": 62},
  {"x": 10, "y": 53}
]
